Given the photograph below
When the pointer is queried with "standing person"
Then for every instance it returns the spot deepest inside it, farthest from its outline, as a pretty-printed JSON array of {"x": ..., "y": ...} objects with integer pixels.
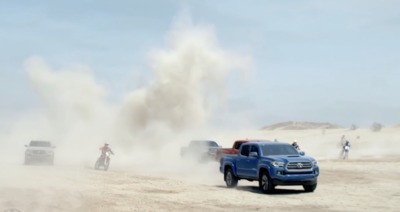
[
  {"x": 295, "y": 145},
  {"x": 345, "y": 150}
]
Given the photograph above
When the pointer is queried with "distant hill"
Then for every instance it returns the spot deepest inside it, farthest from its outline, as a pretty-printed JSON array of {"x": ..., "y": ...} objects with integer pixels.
[{"x": 294, "y": 125}]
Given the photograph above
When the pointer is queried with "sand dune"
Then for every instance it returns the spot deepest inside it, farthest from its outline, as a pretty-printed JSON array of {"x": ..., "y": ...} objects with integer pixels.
[{"x": 294, "y": 125}]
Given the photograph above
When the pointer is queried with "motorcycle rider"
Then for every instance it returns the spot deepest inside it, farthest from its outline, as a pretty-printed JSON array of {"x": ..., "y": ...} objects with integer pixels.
[{"x": 104, "y": 149}]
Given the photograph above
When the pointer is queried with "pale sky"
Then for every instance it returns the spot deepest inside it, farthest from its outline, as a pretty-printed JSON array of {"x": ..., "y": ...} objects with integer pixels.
[{"x": 320, "y": 61}]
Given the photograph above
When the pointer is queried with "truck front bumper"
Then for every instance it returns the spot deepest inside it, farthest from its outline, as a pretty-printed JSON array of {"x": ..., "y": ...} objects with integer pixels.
[
  {"x": 39, "y": 158},
  {"x": 283, "y": 177},
  {"x": 308, "y": 181}
]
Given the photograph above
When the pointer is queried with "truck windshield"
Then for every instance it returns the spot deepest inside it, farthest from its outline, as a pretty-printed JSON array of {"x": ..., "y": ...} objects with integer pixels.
[{"x": 268, "y": 150}]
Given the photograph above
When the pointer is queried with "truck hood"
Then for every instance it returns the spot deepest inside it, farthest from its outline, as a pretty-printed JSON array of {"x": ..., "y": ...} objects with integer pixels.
[{"x": 291, "y": 158}]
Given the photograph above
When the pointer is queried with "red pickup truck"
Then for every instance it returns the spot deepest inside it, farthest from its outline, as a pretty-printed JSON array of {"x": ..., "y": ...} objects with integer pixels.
[{"x": 235, "y": 148}]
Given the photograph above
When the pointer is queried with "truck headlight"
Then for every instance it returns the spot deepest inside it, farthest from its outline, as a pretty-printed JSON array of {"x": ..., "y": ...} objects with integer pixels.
[
  {"x": 278, "y": 163},
  {"x": 315, "y": 163}
]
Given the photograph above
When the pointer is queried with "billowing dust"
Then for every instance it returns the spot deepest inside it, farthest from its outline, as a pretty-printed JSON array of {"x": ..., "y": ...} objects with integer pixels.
[{"x": 147, "y": 129}]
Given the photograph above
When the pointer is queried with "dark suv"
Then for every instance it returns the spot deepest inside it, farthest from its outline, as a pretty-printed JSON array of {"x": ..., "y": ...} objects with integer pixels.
[
  {"x": 203, "y": 150},
  {"x": 40, "y": 152}
]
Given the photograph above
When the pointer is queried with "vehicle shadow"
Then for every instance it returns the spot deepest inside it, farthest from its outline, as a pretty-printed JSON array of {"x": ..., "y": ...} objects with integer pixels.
[
  {"x": 277, "y": 191},
  {"x": 37, "y": 164}
]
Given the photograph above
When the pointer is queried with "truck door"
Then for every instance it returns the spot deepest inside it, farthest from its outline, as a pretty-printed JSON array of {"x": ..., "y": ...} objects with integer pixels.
[
  {"x": 248, "y": 165},
  {"x": 252, "y": 162},
  {"x": 241, "y": 160}
]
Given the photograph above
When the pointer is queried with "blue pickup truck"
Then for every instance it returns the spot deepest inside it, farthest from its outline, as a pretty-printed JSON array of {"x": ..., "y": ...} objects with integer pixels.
[{"x": 272, "y": 164}]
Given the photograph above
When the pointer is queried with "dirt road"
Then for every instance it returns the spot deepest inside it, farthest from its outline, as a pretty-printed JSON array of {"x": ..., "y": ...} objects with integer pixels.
[{"x": 354, "y": 185}]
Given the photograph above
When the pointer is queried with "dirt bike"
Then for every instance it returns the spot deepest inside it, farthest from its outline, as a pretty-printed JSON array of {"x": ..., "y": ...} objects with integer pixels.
[{"x": 103, "y": 161}]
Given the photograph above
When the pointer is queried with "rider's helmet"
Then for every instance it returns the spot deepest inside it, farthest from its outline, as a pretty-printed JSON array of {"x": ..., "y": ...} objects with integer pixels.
[{"x": 105, "y": 144}]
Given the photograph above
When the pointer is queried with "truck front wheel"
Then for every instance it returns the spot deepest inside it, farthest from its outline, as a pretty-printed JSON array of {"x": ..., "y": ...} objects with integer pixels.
[
  {"x": 265, "y": 183},
  {"x": 26, "y": 162},
  {"x": 230, "y": 179}
]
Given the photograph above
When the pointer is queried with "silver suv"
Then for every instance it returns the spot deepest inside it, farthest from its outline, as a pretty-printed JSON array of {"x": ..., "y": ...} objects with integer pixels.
[{"x": 39, "y": 151}]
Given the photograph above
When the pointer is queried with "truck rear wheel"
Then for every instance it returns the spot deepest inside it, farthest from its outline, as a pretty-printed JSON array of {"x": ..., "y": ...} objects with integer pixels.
[
  {"x": 310, "y": 188},
  {"x": 230, "y": 179},
  {"x": 265, "y": 183}
]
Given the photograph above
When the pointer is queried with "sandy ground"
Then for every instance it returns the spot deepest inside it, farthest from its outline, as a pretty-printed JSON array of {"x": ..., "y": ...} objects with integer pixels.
[{"x": 362, "y": 183}]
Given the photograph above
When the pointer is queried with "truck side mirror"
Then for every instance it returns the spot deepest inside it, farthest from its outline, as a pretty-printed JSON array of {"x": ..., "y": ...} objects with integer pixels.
[
  {"x": 302, "y": 153},
  {"x": 253, "y": 155}
]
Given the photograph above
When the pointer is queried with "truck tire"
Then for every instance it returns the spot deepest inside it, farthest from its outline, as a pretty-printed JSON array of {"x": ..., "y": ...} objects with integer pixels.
[
  {"x": 265, "y": 183},
  {"x": 310, "y": 188},
  {"x": 230, "y": 179},
  {"x": 51, "y": 161},
  {"x": 26, "y": 162}
]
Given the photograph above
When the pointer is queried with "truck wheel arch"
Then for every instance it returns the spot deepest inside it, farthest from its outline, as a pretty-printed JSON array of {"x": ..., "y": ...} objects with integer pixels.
[
  {"x": 262, "y": 169},
  {"x": 228, "y": 166}
]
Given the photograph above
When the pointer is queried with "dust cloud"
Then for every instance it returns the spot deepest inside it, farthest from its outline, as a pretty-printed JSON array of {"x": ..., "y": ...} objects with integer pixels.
[{"x": 149, "y": 126}]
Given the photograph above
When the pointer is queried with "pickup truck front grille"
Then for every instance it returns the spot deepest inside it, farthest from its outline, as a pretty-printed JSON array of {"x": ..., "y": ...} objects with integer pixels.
[
  {"x": 299, "y": 165},
  {"x": 39, "y": 152}
]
